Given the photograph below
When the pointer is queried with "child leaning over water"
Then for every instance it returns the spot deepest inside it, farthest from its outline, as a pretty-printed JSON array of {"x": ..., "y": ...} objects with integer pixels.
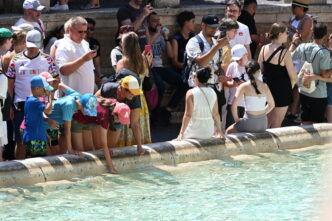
[{"x": 34, "y": 135}]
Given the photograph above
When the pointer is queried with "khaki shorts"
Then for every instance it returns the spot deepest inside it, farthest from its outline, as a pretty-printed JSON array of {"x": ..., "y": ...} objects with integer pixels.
[{"x": 77, "y": 127}]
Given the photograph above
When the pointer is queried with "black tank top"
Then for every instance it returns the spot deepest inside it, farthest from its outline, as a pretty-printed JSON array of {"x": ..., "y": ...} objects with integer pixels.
[{"x": 277, "y": 78}]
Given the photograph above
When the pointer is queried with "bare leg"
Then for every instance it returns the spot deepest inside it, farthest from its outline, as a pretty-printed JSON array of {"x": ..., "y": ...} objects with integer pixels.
[
  {"x": 87, "y": 140},
  {"x": 96, "y": 137},
  {"x": 77, "y": 141},
  {"x": 294, "y": 107},
  {"x": 231, "y": 129},
  {"x": 112, "y": 137},
  {"x": 329, "y": 114},
  {"x": 20, "y": 150},
  {"x": 276, "y": 116},
  {"x": 62, "y": 143}
]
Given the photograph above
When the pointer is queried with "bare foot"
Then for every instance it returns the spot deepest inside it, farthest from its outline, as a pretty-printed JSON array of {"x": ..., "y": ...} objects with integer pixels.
[
  {"x": 140, "y": 151},
  {"x": 112, "y": 170}
]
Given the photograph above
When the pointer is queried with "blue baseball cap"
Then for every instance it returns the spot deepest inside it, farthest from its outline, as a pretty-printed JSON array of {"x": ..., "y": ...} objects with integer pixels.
[
  {"x": 89, "y": 103},
  {"x": 38, "y": 81}
]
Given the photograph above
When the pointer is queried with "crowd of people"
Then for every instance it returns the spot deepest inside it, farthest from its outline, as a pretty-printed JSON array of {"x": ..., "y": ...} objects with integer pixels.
[{"x": 55, "y": 99}]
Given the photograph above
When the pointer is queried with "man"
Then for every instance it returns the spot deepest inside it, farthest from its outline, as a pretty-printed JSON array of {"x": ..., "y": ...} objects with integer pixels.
[
  {"x": 127, "y": 91},
  {"x": 229, "y": 27},
  {"x": 74, "y": 57},
  {"x": 313, "y": 105},
  {"x": 135, "y": 14},
  {"x": 94, "y": 45},
  {"x": 247, "y": 18},
  {"x": 210, "y": 55},
  {"x": 22, "y": 68},
  {"x": 32, "y": 12},
  {"x": 159, "y": 42},
  {"x": 233, "y": 11}
]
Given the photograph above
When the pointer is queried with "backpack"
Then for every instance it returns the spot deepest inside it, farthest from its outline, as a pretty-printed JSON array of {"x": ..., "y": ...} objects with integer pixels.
[
  {"x": 187, "y": 68},
  {"x": 307, "y": 69}
]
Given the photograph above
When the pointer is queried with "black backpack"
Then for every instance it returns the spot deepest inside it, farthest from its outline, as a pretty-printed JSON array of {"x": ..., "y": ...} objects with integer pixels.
[{"x": 189, "y": 65}]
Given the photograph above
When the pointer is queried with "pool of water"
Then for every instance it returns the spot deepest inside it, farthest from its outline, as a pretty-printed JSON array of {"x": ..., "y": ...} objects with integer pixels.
[{"x": 282, "y": 186}]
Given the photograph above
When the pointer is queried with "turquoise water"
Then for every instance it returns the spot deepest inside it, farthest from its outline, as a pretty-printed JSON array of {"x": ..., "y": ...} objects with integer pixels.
[{"x": 281, "y": 186}]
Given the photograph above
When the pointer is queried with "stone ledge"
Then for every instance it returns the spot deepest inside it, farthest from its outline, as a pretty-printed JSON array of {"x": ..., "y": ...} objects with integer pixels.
[{"x": 38, "y": 170}]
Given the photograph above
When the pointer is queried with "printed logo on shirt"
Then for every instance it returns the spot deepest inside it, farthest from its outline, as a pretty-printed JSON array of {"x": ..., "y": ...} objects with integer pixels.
[
  {"x": 241, "y": 33},
  {"x": 24, "y": 71}
]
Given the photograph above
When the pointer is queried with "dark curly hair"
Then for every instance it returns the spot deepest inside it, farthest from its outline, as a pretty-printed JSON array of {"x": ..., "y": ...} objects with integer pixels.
[{"x": 203, "y": 74}]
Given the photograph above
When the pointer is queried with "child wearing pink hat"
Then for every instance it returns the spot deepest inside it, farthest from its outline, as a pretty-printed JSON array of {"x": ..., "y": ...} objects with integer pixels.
[{"x": 111, "y": 115}]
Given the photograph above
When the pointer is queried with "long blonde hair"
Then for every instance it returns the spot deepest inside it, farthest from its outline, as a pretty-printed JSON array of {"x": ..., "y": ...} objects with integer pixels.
[{"x": 136, "y": 62}]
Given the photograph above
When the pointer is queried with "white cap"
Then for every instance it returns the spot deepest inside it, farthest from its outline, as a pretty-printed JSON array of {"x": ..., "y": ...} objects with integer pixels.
[
  {"x": 238, "y": 51},
  {"x": 33, "y": 4},
  {"x": 23, "y": 27},
  {"x": 33, "y": 39}
]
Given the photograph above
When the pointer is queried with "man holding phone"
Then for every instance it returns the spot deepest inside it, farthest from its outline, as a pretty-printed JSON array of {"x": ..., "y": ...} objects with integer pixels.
[
  {"x": 211, "y": 55},
  {"x": 160, "y": 43},
  {"x": 75, "y": 58},
  {"x": 133, "y": 13}
]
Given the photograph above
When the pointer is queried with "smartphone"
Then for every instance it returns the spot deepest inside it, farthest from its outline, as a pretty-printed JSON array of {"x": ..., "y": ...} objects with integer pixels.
[
  {"x": 236, "y": 79},
  {"x": 222, "y": 30},
  {"x": 95, "y": 47},
  {"x": 147, "y": 49}
]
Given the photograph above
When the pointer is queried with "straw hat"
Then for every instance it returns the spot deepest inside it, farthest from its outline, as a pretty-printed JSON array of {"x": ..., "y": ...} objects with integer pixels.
[{"x": 301, "y": 3}]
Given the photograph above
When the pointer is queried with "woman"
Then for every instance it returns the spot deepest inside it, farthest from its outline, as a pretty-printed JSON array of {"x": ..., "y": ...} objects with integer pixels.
[
  {"x": 134, "y": 61},
  {"x": 278, "y": 72},
  {"x": 201, "y": 118},
  {"x": 186, "y": 21},
  {"x": 299, "y": 24},
  {"x": 255, "y": 94}
]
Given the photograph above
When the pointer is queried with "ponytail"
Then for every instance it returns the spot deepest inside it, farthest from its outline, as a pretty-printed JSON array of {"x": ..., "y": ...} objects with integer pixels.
[{"x": 251, "y": 68}]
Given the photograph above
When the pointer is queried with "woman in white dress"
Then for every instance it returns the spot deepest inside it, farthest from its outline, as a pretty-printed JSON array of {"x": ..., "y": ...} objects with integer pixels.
[{"x": 201, "y": 119}]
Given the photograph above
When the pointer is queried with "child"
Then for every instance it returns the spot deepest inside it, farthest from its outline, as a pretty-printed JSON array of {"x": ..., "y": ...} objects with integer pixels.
[
  {"x": 236, "y": 71},
  {"x": 111, "y": 115},
  {"x": 34, "y": 135},
  {"x": 64, "y": 108}
]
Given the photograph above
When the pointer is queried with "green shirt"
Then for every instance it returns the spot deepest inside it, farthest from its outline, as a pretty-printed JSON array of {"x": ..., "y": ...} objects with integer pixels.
[{"x": 321, "y": 62}]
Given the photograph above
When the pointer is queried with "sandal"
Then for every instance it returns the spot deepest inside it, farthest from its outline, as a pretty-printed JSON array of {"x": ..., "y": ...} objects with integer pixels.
[{"x": 89, "y": 6}]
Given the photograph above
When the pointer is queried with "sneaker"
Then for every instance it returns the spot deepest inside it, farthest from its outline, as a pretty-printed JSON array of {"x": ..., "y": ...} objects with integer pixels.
[{"x": 58, "y": 7}]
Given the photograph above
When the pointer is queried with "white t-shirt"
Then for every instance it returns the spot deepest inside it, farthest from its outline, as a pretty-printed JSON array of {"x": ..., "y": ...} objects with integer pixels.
[
  {"x": 193, "y": 51},
  {"x": 23, "y": 69},
  {"x": 39, "y": 25},
  {"x": 242, "y": 36},
  {"x": 116, "y": 55},
  {"x": 234, "y": 70},
  {"x": 83, "y": 79}
]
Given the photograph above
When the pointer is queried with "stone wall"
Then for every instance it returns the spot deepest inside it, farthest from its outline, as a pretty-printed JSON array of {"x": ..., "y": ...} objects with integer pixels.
[{"x": 107, "y": 24}]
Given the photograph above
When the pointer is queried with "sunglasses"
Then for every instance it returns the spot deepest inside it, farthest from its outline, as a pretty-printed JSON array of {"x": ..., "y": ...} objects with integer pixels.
[{"x": 82, "y": 32}]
